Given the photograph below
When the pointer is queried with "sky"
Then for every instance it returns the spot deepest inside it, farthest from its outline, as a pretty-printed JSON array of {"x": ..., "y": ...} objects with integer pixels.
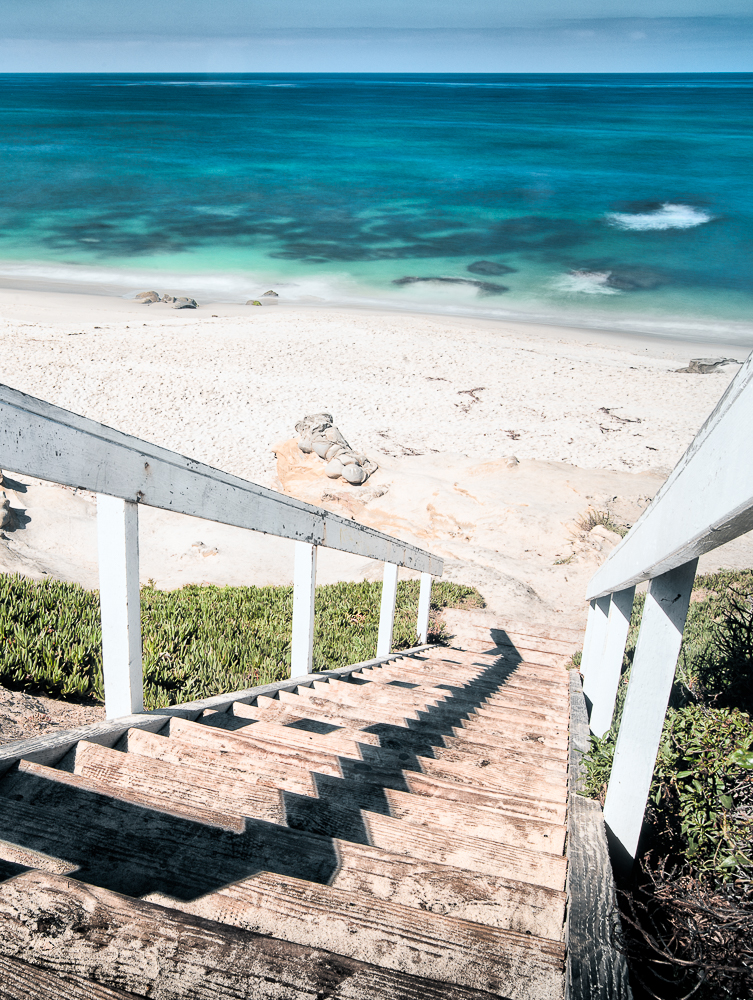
[{"x": 376, "y": 36}]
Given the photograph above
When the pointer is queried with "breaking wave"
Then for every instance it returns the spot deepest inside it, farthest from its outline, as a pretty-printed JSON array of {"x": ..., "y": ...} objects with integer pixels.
[
  {"x": 668, "y": 216},
  {"x": 586, "y": 282}
]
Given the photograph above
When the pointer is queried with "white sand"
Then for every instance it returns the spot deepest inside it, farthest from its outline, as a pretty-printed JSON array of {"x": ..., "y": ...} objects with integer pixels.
[{"x": 224, "y": 383}]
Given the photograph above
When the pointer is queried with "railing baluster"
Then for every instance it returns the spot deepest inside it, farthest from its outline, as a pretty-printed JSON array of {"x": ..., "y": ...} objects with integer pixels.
[
  {"x": 600, "y": 684},
  {"x": 424, "y": 604},
  {"x": 120, "y": 605},
  {"x": 304, "y": 589},
  {"x": 387, "y": 610},
  {"x": 648, "y": 693},
  {"x": 596, "y": 630}
]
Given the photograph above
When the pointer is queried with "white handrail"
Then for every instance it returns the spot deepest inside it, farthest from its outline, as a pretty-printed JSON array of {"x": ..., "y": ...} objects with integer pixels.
[
  {"x": 706, "y": 501},
  {"x": 47, "y": 442}
]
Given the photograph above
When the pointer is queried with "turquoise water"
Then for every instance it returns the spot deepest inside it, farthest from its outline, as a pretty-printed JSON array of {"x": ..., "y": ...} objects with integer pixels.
[{"x": 616, "y": 201}]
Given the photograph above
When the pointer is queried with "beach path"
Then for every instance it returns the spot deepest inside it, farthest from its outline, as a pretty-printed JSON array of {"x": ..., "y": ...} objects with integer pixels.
[{"x": 397, "y": 834}]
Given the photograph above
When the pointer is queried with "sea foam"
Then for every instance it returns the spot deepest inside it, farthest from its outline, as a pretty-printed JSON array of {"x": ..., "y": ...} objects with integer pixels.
[
  {"x": 669, "y": 216},
  {"x": 587, "y": 282}
]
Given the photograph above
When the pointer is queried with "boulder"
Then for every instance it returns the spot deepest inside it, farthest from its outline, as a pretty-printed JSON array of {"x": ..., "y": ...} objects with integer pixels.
[
  {"x": 147, "y": 297},
  {"x": 253, "y": 302},
  {"x": 705, "y": 366},
  {"x": 333, "y": 469},
  {"x": 168, "y": 298},
  {"x": 489, "y": 267},
  {"x": 354, "y": 474},
  {"x": 184, "y": 302},
  {"x": 318, "y": 434},
  {"x": 271, "y": 294}
]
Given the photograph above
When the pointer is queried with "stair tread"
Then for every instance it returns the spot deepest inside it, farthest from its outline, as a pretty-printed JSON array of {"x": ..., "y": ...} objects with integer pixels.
[
  {"x": 293, "y": 710},
  {"x": 394, "y": 936},
  {"x": 19, "y": 981},
  {"x": 369, "y": 764},
  {"x": 146, "y": 782},
  {"x": 160, "y": 951},
  {"x": 183, "y": 785},
  {"x": 128, "y": 848}
]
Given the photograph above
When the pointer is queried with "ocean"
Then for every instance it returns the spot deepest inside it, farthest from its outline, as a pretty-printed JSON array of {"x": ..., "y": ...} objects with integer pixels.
[{"x": 619, "y": 202}]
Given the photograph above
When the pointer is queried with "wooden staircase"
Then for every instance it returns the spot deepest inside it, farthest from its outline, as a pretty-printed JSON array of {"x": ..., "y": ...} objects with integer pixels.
[{"x": 398, "y": 835}]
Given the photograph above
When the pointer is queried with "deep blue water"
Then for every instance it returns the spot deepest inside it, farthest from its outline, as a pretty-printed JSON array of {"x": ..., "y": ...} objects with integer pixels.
[{"x": 621, "y": 201}]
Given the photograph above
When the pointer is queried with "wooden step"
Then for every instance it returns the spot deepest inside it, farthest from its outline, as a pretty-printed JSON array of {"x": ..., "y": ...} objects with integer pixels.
[
  {"x": 167, "y": 786},
  {"x": 532, "y": 695},
  {"x": 365, "y": 695},
  {"x": 427, "y": 758},
  {"x": 373, "y": 764},
  {"x": 554, "y": 748},
  {"x": 475, "y": 675},
  {"x": 128, "y": 848},
  {"x": 19, "y": 981},
  {"x": 140, "y": 780},
  {"x": 497, "y": 722},
  {"x": 160, "y": 952},
  {"x": 292, "y": 710},
  {"x": 394, "y": 937},
  {"x": 200, "y": 753}
]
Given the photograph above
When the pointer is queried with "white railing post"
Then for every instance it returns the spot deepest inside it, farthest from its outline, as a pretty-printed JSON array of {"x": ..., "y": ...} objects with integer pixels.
[
  {"x": 648, "y": 693},
  {"x": 387, "y": 610},
  {"x": 424, "y": 604},
  {"x": 601, "y": 683},
  {"x": 304, "y": 589},
  {"x": 596, "y": 630},
  {"x": 120, "y": 605}
]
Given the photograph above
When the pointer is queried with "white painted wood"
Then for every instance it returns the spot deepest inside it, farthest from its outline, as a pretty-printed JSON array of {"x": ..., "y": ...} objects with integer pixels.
[
  {"x": 424, "y": 604},
  {"x": 120, "y": 604},
  {"x": 602, "y": 681},
  {"x": 387, "y": 610},
  {"x": 304, "y": 587},
  {"x": 706, "y": 501},
  {"x": 596, "y": 631},
  {"x": 650, "y": 685},
  {"x": 38, "y": 439}
]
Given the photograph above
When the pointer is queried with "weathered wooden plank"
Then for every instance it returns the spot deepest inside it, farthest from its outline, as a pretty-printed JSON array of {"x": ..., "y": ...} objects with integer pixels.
[
  {"x": 706, "y": 501},
  {"x": 154, "y": 951},
  {"x": 596, "y": 969},
  {"x": 389, "y": 935},
  {"x": 39, "y": 439},
  {"x": 149, "y": 783},
  {"x": 19, "y": 981},
  {"x": 130, "y": 849}
]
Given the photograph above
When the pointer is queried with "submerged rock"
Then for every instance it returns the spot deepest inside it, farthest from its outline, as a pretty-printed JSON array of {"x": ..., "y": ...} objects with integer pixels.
[
  {"x": 489, "y": 267},
  {"x": 484, "y": 287},
  {"x": 634, "y": 279},
  {"x": 147, "y": 297}
]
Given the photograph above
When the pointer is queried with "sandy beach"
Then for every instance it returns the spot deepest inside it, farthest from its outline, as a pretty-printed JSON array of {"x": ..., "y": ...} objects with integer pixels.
[{"x": 493, "y": 440}]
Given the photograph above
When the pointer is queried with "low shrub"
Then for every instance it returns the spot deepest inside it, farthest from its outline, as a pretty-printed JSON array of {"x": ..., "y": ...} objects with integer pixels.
[{"x": 200, "y": 640}]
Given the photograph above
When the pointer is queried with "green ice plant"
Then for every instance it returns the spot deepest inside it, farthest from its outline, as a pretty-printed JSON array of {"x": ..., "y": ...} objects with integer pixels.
[{"x": 197, "y": 641}]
